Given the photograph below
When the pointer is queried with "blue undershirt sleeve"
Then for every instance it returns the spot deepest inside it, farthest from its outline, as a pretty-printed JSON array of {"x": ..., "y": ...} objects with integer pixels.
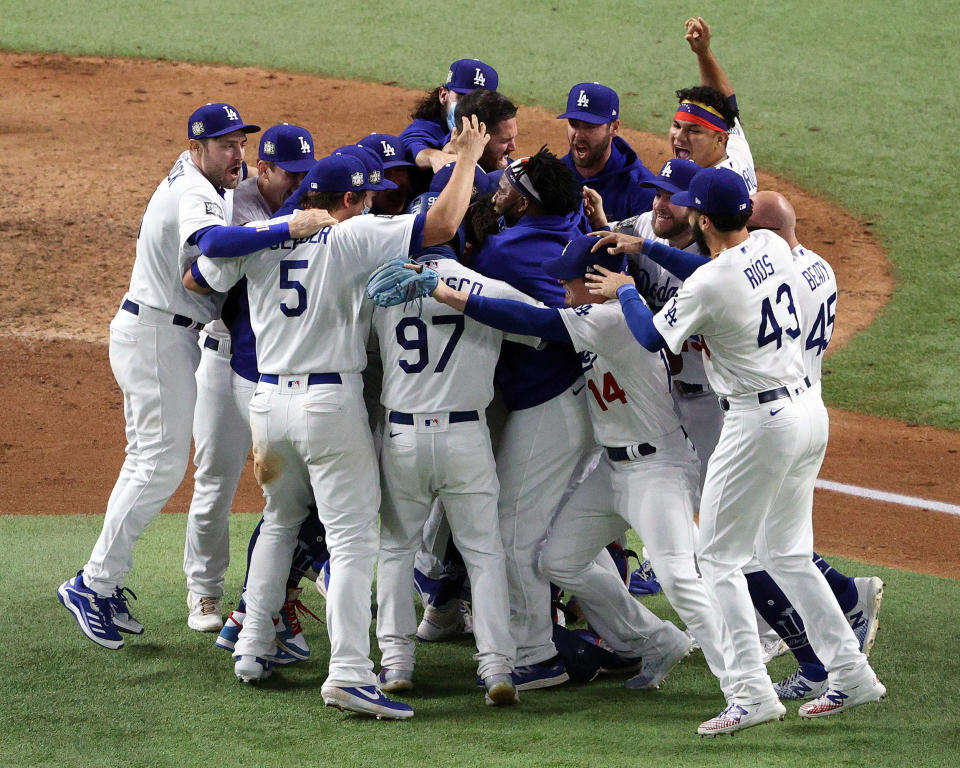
[
  {"x": 416, "y": 235},
  {"x": 676, "y": 262},
  {"x": 639, "y": 319},
  {"x": 198, "y": 278},
  {"x": 230, "y": 242},
  {"x": 517, "y": 317}
]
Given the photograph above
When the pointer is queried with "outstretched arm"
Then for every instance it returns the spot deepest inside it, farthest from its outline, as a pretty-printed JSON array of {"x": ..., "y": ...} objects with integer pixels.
[
  {"x": 697, "y": 34},
  {"x": 679, "y": 263},
  {"x": 505, "y": 314}
]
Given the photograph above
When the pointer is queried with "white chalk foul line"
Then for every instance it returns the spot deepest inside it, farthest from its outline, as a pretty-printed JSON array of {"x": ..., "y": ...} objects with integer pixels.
[{"x": 892, "y": 498}]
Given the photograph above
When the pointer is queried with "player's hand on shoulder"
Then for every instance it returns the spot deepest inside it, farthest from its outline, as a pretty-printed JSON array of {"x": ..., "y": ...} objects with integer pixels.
[
  {"x": 605, "y": 283},
  {"x": 308, "y": 222},
  {"x": 697, "y": 34},
  {"x": 470, "y": 140},
  {"x": 619, "y": 242}
]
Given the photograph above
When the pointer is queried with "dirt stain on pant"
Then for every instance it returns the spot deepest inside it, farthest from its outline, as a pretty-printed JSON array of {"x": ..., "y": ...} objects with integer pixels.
[{"x": 266, "y": 466}]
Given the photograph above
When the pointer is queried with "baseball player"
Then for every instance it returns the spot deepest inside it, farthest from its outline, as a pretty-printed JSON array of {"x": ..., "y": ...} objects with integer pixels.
[
  {"x": 759, "y": 486},
  {"x": 226, "y": 379},
  {"x": 433, "y": 117},
  {"x": 646, "y": 480},
  {"x": 706, "y": 126},
  {"x": 307, "y": 417},
  {"x": 500, "y": 114},
  {"x": 599, "y": 157},
  {"x": 547, "y": 431},
  {"x": 437, "y": 382},
  {"x": 154, "y": 351},
  {"x": 396, "y": 169}
]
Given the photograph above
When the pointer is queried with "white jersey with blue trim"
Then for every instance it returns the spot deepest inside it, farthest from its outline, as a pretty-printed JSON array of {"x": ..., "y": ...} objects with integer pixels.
[
  {"x": 248, "y": 204},
  {"x": 739, "y": 157},
  {"x": 745, "y": 306},
  {"x": 308, "y": 308},
  {"x": 438, "y": 359},
  {"x": 818, "y": 308},
  {"x": 182, "y": 204},
  {"x": 628, "y": 387},
  {"x": 658, "y": 286}
]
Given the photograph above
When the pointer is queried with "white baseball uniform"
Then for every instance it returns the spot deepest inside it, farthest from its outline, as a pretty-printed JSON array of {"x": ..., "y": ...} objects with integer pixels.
[
  {"x": 647, "y": 480},
  {"x": 739, "y": 158},
  {"x": 153, "y": 354},
  {"x": 221, "y": 435},
  {"x": 696, "y": 402},
  {"x": 309, "y": 424},
  {"x": 438, "y": 369},
  {"x": 759, "y": 485}
]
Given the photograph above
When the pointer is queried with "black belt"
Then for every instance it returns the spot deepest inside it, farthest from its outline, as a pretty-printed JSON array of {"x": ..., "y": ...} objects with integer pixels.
[
  {"x": 765, "y": 397},
  {"x": 687, "y": 389},
  {"x": 182, "y": 320},
  {"x": 212, "y": 343},
  {"x": 456, "y": 417},
  {"x": 624, "y": 454},
  {"x": 312, "y": 378}
]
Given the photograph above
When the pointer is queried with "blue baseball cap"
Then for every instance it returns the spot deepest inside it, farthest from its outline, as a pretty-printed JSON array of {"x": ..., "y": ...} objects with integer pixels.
[
  {"x": 389, "y": 147},
  {"x": 577, "y": 259},
  {"x": 337, "y": 173},
  {"x": 215, "y": 120},
  {"x": 675, "y": 176},
  {"x": 289, "y": 146},
  {"x": 371, "y": 161},
  {"x": 481, "y": 184},
  {"x": 592, "y": 103},
  {"x": 715, "y": 190},
  {"x": 467, "y": 75}
]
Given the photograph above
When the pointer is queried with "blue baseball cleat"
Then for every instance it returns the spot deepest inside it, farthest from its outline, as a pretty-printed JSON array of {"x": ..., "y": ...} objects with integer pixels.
[
  {"x": 92, "y": 612},
  {"x": 365, "y": 700}
]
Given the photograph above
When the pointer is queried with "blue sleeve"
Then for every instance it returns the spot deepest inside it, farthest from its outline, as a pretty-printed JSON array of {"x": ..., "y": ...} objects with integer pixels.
[
  {"x": 416, "y": 236},
  {"x": 229, "y": 242},
  {"x": 421, "y": 135},
  {"x": 675, "y": 261},
  {"x": 517, "y": 317},
  {"x": 639, "y": 319},
  {"x": 732, "y": 98},
  {"x": 198, "y": 278}
]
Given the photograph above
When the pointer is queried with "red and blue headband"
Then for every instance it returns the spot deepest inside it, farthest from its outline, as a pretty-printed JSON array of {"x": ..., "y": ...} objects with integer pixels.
[
  {"x": 700, "y": 113},
  {"x": 516, "y": 174}
]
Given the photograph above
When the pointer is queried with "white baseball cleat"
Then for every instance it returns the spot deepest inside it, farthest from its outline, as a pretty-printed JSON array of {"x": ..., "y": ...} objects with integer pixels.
[
  {"x": 501, "y": 691},
  {"x": 834, "y": 701},
  {"x": 654, "y": 668},
  {"x": 365, "y": 700},
  {"x": 864, "y": 617},
  {"x": 393, "y": 680},
  {"x": 736, "y": 717},
  {"x": 252, "y": 669},
  {"x": 772, "y": 646},
  {"x": 441, "y": 623},
  {"x": 204, "y": 613}
]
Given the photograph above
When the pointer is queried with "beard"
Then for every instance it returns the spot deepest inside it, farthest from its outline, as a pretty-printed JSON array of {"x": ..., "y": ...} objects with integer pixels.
[
  {"x": 699, "y": 238},
  {"x": 593, "y": 157}
]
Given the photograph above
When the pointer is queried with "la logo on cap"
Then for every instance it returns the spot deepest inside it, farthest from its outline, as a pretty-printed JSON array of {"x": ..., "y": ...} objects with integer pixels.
[
  {"x": 478, "y": 78},
  {"x": 304, "y": 145},
  {"x": 582, "y": 100},
  {"x": 667, "y": 170}
]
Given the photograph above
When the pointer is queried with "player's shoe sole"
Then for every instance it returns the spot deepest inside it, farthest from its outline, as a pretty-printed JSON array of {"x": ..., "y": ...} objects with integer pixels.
[{"x": 865, "y": 617}]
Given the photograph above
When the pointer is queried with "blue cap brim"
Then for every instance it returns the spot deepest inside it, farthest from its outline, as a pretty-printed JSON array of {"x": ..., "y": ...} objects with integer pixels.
[
  {"x": 666, "y": 186},
  {"x": 294, "y": 166},
  {"x": 384, "y": 184},
  {"x": 586, "y": 117},
  {"x": 397, "y": 164},
  {"x": 559, "y": 269},
  {"x": 246, "y": 128},
  {"x": 684, "y": 199}
]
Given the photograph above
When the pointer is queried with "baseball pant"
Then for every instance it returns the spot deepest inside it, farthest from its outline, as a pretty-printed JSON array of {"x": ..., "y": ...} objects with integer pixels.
[
  {"x": 221, "y": 437},
  {"x": 434, "y": 542},
  {"x": 539, "y": 450},
  {"x": 315, "y": 437},
  {"x": 454, "y": 462},
  {"x": 153, "y": 361},
  {"x": 654, "y": 495},
  {"x": 702, "y": 418},
  {"x": 759, "y": 492}
]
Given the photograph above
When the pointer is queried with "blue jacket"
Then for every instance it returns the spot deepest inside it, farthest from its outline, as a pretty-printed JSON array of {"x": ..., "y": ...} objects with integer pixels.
[
  {"x": 619, "y": 182},
  {"x": 525, "y": 376},
  {"x": 423, "y": 134}
]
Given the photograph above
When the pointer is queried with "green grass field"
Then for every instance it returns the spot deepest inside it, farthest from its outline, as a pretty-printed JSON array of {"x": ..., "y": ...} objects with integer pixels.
[
  {"x": 853, "y": 101},
  {"x": 169, "y": 698}
]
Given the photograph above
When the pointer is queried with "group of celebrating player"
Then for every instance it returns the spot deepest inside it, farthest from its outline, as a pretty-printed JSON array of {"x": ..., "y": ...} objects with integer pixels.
[{"x": 645, "y": 347}]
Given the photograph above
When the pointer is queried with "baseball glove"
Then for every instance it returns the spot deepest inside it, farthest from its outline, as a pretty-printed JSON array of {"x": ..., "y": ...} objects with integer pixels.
[{"x": 393, "y": 283}]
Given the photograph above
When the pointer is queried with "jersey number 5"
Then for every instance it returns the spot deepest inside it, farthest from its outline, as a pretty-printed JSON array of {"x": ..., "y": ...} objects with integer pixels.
[
  {"x": 286, "y": 267},
  {"x": 419, "y": 343},
  {"x": 770, "y": 329}
]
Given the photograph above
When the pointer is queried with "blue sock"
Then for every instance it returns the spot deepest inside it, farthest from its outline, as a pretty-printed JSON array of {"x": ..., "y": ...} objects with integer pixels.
[
  {"x": 843, "y": 587},
  {"x": 773, "y": 605}
]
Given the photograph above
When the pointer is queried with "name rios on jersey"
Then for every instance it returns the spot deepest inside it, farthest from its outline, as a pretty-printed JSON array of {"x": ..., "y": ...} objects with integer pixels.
[{"x": 759, "y": 271}]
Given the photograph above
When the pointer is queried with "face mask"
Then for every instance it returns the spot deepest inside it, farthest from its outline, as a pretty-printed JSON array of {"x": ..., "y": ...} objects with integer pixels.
[
  {"x": 366, "y": 209},
  {"x": 451, "y": 119}
]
